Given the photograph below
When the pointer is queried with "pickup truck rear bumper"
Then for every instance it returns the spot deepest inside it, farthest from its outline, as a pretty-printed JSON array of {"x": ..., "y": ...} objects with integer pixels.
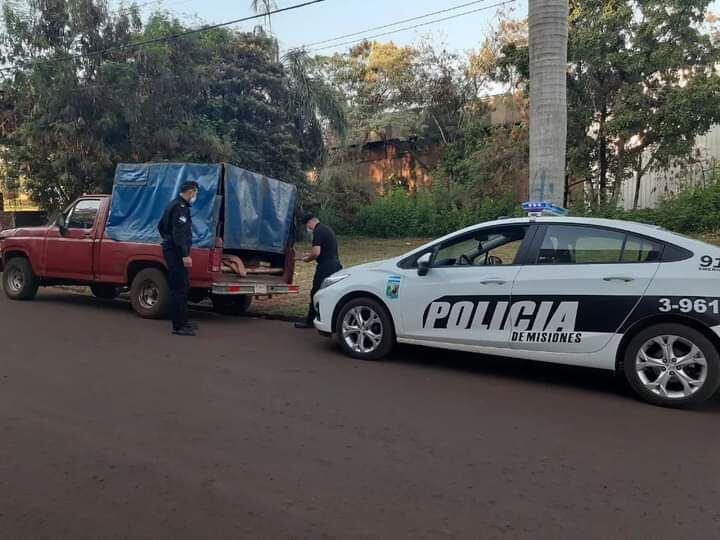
[{"x": 255, "y": 289}]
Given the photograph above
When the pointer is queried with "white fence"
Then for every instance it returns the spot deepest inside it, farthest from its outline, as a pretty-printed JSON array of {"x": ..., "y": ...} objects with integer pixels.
[{"x": 658, "y": 184}]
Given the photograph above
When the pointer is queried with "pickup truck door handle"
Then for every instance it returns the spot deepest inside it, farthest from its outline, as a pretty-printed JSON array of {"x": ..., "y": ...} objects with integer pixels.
[
  {"x": 493, "y": 281},
  {"x": 626, "y": 279}
]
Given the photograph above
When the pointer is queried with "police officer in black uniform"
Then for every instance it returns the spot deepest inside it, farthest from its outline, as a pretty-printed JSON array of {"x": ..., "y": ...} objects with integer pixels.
[
  {"x": 176, "y": 231},
  {"x": 325, "y": 252}
]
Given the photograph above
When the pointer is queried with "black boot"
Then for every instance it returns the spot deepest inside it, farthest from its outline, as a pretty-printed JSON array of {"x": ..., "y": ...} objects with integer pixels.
[{"x": 184, "y": 331}]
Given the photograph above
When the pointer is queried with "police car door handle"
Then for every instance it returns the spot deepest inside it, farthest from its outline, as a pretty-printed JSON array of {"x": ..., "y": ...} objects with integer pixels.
[
  {"x": 626, "y": 279},
  {"x": 493, "y": 281}
]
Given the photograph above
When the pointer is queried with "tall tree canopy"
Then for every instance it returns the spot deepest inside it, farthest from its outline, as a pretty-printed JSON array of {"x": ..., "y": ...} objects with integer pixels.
[{"x": 71, "y": 113}]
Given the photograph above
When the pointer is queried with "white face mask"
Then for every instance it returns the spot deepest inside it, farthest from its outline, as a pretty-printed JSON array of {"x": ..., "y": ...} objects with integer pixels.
[
  {"x": 193, "y": 199},
  {"x": 309, "y": 230}
]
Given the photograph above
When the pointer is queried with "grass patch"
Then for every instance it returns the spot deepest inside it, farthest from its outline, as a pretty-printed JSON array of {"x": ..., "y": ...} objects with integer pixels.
[{"x": 353, "y": 251}]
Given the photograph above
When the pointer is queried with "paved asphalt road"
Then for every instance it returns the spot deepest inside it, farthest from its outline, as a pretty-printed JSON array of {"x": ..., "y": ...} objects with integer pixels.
[{"x": 111, "y": 428}]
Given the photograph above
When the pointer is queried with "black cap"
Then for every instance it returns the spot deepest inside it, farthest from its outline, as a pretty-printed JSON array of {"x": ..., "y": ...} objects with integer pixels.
[
  {"x": 307, "y": 217},
  {"x": 187, "y": 186}
]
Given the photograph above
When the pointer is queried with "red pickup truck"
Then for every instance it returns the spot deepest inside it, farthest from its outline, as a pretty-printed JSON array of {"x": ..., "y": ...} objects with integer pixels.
[{"x": 75, "y": 250}]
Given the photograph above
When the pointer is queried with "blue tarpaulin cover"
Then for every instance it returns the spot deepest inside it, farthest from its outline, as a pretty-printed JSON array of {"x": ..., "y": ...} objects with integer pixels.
[
  {"x": 259, "y": 211},
  {"x": 142, "y": 192}
]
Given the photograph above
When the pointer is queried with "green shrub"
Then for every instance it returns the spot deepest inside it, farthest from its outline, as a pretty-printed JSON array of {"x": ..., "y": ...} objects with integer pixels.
[
  {"x": 693, "y": 211},
  {"x": 427, "y": 214}
]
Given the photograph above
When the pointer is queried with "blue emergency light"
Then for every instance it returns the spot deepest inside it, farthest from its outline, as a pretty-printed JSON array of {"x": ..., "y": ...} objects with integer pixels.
[{"x": 541, "y": 208}]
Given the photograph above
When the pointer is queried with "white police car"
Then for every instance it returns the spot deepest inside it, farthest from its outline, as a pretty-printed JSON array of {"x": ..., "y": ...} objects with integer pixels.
[{"x": 600, "y": 293}]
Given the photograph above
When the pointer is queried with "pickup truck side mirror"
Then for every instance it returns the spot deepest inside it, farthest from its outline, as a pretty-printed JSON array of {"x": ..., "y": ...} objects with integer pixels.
[
  {"x": 61, "y": 224},
  {"x": 423, "y": 264}
]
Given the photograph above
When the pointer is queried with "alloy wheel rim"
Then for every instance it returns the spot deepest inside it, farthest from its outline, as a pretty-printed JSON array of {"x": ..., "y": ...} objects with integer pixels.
[
  {"x": 362, "y": 329},
  {"x": 671, "y": 367}
]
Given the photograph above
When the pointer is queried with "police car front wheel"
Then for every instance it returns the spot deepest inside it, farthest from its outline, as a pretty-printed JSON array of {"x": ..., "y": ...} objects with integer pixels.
[
  {"x": 672, "y": 365},
  {"x": 364, "y": 329}
]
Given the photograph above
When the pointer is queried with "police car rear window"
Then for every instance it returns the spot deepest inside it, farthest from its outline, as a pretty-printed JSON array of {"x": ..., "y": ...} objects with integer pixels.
[{"x": 674, "y": 253}]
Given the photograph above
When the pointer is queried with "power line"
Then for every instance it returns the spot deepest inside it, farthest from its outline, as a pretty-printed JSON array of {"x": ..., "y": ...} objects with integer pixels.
[
  {"x": 403, "y": 21},
  {"x": 366, "y": 38},
  {"x": 159, "y": 39}
]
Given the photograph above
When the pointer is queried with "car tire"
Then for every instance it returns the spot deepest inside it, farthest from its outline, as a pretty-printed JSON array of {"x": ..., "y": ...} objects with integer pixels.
[
  {"x": 364, "y": 329},
  {"x": 150, "y": 294},
  {"x": 232, "y": 305},
  {"x": 672, "y": 365},
  {"x": 105, "y": 291},
  {"x": 19, "y": 281}
]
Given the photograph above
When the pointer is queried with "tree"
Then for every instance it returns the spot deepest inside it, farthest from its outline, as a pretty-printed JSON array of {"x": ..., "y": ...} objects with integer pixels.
[
  {"x": 548, "y": 26},
  {"x": 376, "y": 81},
  {"x": 52, "y": 101},
  {"x": 263, "y": 7},
  {"x": 316, "y": 105},
  {"x": 69, "y": 115},
  {"x": 641, "y": 86}
]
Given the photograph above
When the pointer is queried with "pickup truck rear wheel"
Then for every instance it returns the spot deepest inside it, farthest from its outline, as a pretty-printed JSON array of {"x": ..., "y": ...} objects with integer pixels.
[
  {"x": 150, "y": 294},
  {"x": 105, "y": 291},
  {"x": 231, "y": 304},
  {"x": 19, "y": 280}
]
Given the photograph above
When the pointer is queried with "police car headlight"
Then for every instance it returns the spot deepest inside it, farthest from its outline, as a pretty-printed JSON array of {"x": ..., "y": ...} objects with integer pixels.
[{"x": 332, "y": 280}]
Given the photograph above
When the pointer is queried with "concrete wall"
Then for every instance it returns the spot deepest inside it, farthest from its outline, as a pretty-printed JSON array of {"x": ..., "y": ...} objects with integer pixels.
[{"x": 658, "y": 184}]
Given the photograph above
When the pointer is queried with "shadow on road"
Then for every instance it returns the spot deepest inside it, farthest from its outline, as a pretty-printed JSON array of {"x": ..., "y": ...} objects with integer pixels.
[
  {"x": 120, "y": 304},
  {"x": 511, "y": 368},
  {"x": 533, "y": 372}
]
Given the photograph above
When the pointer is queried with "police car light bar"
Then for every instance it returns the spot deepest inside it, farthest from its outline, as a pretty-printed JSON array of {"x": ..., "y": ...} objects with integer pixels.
[{"x": 543, "y": 208}]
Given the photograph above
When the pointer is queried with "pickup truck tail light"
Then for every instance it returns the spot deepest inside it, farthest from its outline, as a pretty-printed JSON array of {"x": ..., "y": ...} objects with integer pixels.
[{"x": 215, "y": 260}]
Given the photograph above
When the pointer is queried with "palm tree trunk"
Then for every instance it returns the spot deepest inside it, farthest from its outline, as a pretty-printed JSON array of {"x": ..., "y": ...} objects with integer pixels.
[{"x": 548, "y": 21}]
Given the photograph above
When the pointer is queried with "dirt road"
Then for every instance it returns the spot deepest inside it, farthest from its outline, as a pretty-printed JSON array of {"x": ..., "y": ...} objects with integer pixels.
[{"x": 112, "y": 428}]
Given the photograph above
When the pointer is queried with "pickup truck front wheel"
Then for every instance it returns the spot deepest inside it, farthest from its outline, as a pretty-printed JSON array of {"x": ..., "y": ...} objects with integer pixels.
[
  {"x": 150, "y": 294},
  {"x": 19, "y": 280}
]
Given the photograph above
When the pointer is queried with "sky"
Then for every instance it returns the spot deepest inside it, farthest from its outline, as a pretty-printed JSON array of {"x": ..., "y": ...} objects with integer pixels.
[{"x": 333, "y": 18}]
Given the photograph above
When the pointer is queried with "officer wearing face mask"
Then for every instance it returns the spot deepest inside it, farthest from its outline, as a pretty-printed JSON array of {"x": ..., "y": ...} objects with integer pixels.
[
  {"x": 325, "y": 253},
  {"x": 176, "y": 230}
]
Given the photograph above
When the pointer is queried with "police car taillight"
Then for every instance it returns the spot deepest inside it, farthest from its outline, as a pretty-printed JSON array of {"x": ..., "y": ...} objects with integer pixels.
[{"x": 543, "y": 208}]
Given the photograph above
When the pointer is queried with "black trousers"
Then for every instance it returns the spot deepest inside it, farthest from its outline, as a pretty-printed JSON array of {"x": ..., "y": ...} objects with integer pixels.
[
  {"x": 323, "y": 270},
  {"x": 179, "y": 284}
]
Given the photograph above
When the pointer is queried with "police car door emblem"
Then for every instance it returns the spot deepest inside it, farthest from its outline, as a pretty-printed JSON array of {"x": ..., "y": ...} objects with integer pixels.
[
  {"x": 392, "y": 289},
  {"x": 548, "y": 321}
]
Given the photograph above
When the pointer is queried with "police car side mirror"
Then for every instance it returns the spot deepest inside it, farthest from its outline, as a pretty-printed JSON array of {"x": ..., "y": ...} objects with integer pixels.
[{"x": 423, "y": 264}]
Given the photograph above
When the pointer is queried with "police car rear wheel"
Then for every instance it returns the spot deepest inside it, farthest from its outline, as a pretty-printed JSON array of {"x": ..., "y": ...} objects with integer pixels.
[
  {"x": 672, "y": 365},
  {"x": 150, "y": 294},
  {"x": 365, "y": 330}
]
